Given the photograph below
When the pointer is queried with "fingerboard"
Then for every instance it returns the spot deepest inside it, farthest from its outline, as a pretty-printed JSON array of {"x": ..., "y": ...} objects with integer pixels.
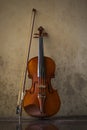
[{"x": 41, "y": 64}]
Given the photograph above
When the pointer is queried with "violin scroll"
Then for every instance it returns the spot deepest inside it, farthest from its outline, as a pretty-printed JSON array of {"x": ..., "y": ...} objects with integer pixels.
[{"x": 41, "y": 33}]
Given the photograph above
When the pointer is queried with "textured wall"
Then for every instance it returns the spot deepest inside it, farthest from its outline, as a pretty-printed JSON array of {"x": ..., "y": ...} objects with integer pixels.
[{"x": 66, "y": 23}]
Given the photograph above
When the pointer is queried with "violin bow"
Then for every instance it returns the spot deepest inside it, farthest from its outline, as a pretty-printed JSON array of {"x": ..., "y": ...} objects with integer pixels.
[{"x": 22, "y": 88}]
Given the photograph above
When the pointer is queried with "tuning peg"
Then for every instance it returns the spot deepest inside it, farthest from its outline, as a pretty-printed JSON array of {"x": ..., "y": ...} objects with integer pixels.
[{"x": 36, "y": 35}]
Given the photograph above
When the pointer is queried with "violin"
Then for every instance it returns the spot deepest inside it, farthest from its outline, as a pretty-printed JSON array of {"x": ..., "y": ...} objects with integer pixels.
[{"x": 41, "y": 100}]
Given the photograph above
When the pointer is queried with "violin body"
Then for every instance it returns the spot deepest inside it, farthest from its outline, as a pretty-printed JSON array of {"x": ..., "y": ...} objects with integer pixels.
[
  {"x": 41, "y": 100},
  {"x": 52, "y": 101}
]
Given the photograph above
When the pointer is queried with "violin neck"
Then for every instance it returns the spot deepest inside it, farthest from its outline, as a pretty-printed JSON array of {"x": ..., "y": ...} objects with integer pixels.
[{"x": 41, "y": 65}]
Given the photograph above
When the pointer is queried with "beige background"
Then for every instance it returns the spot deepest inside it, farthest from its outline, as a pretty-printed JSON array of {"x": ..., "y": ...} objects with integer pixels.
[{"x": 66, "y": 23}]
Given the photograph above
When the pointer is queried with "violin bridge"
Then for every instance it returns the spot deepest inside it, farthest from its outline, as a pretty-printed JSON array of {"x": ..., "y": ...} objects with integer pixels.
[{"x": 42, "y": 86}]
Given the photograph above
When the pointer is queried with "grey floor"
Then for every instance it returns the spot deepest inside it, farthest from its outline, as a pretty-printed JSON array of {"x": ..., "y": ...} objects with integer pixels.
[{"x": 46, "y": 124}]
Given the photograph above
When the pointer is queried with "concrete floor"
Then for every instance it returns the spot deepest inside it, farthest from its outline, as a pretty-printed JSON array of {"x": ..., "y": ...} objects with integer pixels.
[{"x": 46, "y": 124}]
